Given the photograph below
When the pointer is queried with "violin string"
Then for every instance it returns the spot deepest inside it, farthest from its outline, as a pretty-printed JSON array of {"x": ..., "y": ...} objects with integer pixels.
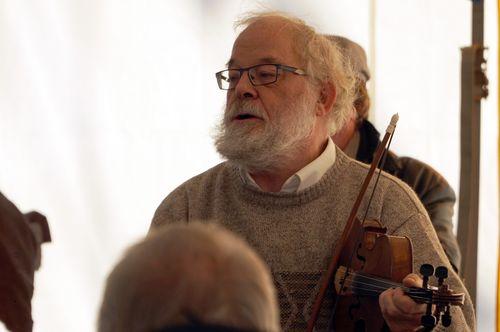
[
  {"x": 380, "y": 283},
  {"x": 363, "y": 291},
  {"x": 375, "y": 289},
  {"x": 357, "y": 277},
  {"x": 365, "y": 286},
  {"x": 366, "y": 292},
  {"x": 423, "y": 295},
  {"x": 379, "y": 280},
  {"x": 382, "y": 286},
  {"x": 414, "y": 292},
  {"x": 375, "y": 279}
]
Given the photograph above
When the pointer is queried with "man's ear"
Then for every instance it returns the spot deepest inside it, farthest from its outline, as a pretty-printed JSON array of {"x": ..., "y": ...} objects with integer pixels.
[{"x": 326, "y": 99}]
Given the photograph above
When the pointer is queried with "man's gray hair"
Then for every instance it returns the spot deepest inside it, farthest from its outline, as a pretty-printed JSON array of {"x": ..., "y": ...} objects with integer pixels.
[
  {"x": 355, "y": 54},
  {"x": 322, "y": 60},
  {"x": 189, "y": 274}
]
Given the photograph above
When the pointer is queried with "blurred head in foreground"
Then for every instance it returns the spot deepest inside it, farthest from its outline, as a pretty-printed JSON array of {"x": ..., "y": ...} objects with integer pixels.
[{"x": 194, "y": 277}]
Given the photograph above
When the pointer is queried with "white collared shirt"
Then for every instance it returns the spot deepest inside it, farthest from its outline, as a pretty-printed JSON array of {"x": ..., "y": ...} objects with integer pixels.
[{"x": 305, "y": 177}]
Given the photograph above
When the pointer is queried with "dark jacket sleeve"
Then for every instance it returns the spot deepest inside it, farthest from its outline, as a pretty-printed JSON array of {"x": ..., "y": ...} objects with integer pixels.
[
  {"x": 438, "y": 198},
  {"x": 18, "y": 260}
]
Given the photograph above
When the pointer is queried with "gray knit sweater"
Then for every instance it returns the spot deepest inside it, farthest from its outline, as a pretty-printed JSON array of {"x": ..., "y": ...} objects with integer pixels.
[{"x": 294, "y": 232}]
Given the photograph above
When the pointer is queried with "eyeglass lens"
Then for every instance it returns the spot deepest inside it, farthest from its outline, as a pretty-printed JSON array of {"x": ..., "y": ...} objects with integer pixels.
[{"x": 259, "y": 75}]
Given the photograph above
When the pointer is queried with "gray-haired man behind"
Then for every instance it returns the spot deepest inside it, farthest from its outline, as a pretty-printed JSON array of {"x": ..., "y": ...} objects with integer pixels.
[{"x": 359, "y": 139}]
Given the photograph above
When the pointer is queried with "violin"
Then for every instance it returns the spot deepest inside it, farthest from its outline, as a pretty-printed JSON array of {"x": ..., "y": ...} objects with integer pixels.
[{"x": 368, "y": 261}]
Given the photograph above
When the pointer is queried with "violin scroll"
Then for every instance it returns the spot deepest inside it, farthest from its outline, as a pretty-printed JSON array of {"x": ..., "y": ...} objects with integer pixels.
[{"x": 441, "y": 296}]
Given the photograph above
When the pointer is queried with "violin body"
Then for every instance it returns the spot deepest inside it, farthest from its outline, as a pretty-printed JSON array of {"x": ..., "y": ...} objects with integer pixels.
[{"x": 379, "y": 255}]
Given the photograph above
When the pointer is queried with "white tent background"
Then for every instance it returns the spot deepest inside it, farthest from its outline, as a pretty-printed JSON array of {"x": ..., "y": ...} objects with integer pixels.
[{"x": 106, "y": 106}]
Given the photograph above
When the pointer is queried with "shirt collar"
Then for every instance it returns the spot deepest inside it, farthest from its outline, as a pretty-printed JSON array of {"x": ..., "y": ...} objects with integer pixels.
[{"x": 305, "y": 177}]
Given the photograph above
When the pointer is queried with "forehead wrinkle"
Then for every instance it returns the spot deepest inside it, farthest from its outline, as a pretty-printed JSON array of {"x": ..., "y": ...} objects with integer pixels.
[
  {"x": 261, "y": 35},
  {"x": 263, "y": 60}
]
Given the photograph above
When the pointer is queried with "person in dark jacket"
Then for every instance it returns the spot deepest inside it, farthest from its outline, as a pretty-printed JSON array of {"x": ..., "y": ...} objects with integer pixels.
[
  {"x": 21, "y": 236},
  {"x": 359, "y": 139}
]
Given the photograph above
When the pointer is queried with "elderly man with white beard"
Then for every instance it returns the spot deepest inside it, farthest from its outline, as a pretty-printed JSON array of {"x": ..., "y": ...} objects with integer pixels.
[{"x": 285, "y": 187}]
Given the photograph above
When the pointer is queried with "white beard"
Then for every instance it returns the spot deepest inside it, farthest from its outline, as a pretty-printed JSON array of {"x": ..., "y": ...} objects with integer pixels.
[{"x": 268, "y": 146}]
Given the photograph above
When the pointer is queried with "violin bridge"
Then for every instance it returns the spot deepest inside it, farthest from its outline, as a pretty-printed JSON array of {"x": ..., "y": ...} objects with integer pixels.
[{"x": 343, "y": 281}]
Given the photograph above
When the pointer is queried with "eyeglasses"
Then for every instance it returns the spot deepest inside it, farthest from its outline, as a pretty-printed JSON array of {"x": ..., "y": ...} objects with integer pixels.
[{"x": 262, "y": 74}]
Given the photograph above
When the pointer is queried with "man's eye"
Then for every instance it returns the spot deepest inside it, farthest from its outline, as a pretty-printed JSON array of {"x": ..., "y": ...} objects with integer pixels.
[
  {"x": 266, "y": 74},
  {"x": 233, "y": 77}
]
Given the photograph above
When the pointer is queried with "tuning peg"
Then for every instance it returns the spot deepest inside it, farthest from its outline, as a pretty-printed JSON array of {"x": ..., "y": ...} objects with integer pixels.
[
  {"x": 446, "y": 317},
  {"x": 426, "y": 270},
  {"x": 428, "y": 322},
  {"x": 441, "y": 273}
]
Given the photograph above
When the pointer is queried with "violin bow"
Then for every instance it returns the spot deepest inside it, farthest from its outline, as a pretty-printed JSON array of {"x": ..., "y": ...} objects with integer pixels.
[{"x": 328, "y": 276}]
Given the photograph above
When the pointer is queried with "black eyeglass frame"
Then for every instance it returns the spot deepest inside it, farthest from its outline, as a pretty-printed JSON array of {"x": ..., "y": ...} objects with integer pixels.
[{"x": 293, "y": 70}]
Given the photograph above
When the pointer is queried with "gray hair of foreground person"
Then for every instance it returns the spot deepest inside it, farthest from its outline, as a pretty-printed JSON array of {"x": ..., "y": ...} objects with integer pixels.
[{"x": 189, "y": 274}]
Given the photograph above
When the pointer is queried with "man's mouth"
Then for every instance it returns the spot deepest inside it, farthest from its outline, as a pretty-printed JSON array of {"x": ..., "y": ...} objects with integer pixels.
[{"x": 246, "y": 116}]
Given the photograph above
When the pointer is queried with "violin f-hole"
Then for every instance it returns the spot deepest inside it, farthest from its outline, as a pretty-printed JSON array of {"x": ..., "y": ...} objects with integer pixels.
[{"x": 360, "y": 257}]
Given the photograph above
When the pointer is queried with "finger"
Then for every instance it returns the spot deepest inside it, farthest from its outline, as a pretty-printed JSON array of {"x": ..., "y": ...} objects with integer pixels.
[
  {"x": 412, "y": 280},
  {"x": 386, "y": 303},
  {"x": 406, "y": 305},
  {"x": 394, "y": 316}
]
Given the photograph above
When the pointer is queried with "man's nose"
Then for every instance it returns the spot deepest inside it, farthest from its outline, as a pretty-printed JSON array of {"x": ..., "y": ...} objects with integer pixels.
[{"x": 244, "y": 88}]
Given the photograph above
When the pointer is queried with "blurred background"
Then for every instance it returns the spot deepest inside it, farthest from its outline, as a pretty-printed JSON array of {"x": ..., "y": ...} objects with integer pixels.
[{"x": 108, "y": 105}]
